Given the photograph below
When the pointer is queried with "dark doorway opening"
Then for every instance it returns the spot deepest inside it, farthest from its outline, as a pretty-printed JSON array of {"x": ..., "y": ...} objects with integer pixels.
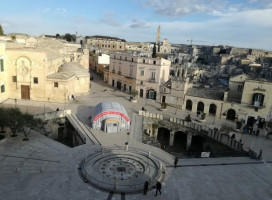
[
  {"x": 231, "y": 114},
  {"x": 180, "y": 141},
  {"x": 189, "y": 105},
  {"x": 163, "y": 136}
]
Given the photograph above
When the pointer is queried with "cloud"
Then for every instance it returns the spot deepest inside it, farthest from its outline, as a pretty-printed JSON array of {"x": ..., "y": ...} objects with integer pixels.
[
  {"x": 60, "y": 10},
  {"x": 110, "y": 19},
  {"x": 138, "y": 24},
  {"x": 179, "y": 8}
]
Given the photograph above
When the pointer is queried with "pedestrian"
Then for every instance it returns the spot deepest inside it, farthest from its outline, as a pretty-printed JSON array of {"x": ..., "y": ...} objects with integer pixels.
[
  {"x": 176, "y": 161},
  {"x": 145, "y": 187},
  {"x": 158, "y": 188}
]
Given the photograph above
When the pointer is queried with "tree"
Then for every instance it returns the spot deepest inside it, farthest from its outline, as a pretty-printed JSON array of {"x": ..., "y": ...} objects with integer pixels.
[
  {"x": 70, "y": 38},
  {"x": 134, "y": 93},
  {"x": 13, "y": 37},
  {"x": 29, "y": 124},
  {"x": 154, "y": 51},
  {"x": 58, "y": 36},
  {"x": 3, "y": 120},
  {"x": 1, "y": 30},
  {"x": 15, "y": 120}
]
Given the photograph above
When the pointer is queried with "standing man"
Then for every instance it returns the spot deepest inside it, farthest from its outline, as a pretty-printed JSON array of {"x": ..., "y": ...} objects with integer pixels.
[
  {"x": 176, "y": 161},
  {"x": 158, "y": 188},
  {"x": 145, "y": 187}
]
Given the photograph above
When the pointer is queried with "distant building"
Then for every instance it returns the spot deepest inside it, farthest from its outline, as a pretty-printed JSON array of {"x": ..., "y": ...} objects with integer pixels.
[
  {"x": 106, "y": 42},
  {"x": 127, "y": 72},
  {"x": 98, "y": 62},
  {"x": 111, "y": 117}
]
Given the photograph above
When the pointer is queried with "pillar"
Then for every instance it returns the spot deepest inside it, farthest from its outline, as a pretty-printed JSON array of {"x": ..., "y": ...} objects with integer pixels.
[
  {"x": 189, "y": 140},
  {"x": 171, "y": 140},
  {"x": 155, "y": 132}
]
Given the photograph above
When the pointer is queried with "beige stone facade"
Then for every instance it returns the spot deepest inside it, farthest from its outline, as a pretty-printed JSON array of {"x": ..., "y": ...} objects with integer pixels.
[
  {"x": 144, "y": 74},
  {"x": 106, "y": 42},
  {"x": 40, "y": 73},
  {"x": 253, "y": 100}
]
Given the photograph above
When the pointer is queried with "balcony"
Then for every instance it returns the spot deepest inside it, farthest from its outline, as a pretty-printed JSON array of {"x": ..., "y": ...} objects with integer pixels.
[
  {"x": 113, "y": 71},
  {"x": 152, "y": 80}
]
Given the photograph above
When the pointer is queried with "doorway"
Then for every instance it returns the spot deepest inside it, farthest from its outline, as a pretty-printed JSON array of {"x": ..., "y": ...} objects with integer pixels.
[{"x": 25, "y": 92}]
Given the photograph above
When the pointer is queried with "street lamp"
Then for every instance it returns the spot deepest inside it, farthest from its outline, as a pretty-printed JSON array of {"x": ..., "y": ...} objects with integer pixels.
[{"x": 127, "y": 141}]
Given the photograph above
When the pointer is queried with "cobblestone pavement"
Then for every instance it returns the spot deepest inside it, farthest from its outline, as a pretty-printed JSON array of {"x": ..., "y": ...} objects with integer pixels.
[{"x": 45, "y": 169}]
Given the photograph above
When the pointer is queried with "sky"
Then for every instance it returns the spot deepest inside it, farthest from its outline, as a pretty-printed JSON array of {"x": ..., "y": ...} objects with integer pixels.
[{"x": 240, "y": 23}]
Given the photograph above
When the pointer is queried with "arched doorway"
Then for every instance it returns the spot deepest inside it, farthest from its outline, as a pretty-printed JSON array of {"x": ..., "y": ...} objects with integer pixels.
[
  {"x": 231, "y": 114},
  {"x": 141, "y": 93},
  {"x": 151, "y": 94},
  {"x": 197, "y": 145},
  {"x": 163, "y": 136},
  {"x": 189, "y": 105},
  {"x": 200, "y": 107},
  {"x": 212, "y": 109},
  {"x": 180, "y": 141}
]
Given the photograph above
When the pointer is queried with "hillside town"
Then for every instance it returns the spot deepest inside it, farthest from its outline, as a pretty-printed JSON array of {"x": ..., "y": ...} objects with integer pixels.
[{"x": 126, "y": 116}]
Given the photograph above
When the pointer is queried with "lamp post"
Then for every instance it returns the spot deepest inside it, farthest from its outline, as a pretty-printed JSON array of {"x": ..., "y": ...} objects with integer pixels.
[{"x": 127, "y": 141}]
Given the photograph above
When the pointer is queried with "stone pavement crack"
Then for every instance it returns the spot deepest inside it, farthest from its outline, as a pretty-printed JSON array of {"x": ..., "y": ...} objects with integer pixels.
[{"x": 31, "y": 158}]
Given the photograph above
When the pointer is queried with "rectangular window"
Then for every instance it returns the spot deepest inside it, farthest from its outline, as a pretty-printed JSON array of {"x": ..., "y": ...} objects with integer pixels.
[
  {"x": 125, "y": 58},
  {"x": 14, "y": 79},
  {"x": 143, "y": 60},
  {"x": 56, "y": 84},
  {"x": 153, "y": 75},
  {"x": 120, "y": 47},
  {"x": 36, "y": 80},
  {"x": 131, "y": 59},
  {"x": 120, "y": 57},
  {"x": 142, "y": 72},
  {"x": 109, "y": 46},
  {"x": 2, "y": 88},
  {"x": 1, "y": 65},
  {"x": 113, "y": 46},
  {"x": 154, "y": 62}
]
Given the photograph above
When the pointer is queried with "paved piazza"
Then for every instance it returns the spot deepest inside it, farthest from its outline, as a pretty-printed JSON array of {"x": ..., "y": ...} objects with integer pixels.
[{"x": 43, "y": 169}]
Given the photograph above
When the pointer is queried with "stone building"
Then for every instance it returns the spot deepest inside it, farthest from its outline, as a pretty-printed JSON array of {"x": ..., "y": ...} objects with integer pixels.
[
  {"x": 106, "y": 42},
  {"x": 98, "y": 62},
  {"x": 43, "y": 72},
  {"x": 127, "y": 72}
]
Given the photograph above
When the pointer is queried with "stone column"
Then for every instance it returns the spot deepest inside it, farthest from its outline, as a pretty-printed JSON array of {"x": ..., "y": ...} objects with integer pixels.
[
  {"x": 171, "y": 140},
  {"x": 155, "y": 135},
  {"x": 189, "y": 140},
  {"x": 194, "y": 107}
]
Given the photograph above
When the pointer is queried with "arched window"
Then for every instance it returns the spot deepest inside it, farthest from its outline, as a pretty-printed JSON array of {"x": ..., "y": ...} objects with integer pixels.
[
  {"x": 231, "y": 114},
  {"x": 212, "y": 109}
]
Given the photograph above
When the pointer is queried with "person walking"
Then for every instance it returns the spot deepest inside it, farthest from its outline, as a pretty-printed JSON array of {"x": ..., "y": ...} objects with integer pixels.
[
  {"x": 145, "y": 187},
  {"x": 176, "y": 161},
  {"x": 158, "y": 188}
]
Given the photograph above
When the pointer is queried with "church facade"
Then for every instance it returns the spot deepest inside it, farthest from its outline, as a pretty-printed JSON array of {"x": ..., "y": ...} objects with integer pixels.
[{"x": 41, "y": 72}]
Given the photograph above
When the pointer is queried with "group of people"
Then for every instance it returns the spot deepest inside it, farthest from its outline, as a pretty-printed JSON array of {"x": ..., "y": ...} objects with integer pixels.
[
  {"x": 158, "y": 184},
  {"x": 158, "y": 188}
]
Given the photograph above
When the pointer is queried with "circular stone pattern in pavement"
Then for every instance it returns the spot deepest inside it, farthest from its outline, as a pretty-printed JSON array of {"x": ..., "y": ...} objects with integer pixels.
[{"x": 121, "y": 171}]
